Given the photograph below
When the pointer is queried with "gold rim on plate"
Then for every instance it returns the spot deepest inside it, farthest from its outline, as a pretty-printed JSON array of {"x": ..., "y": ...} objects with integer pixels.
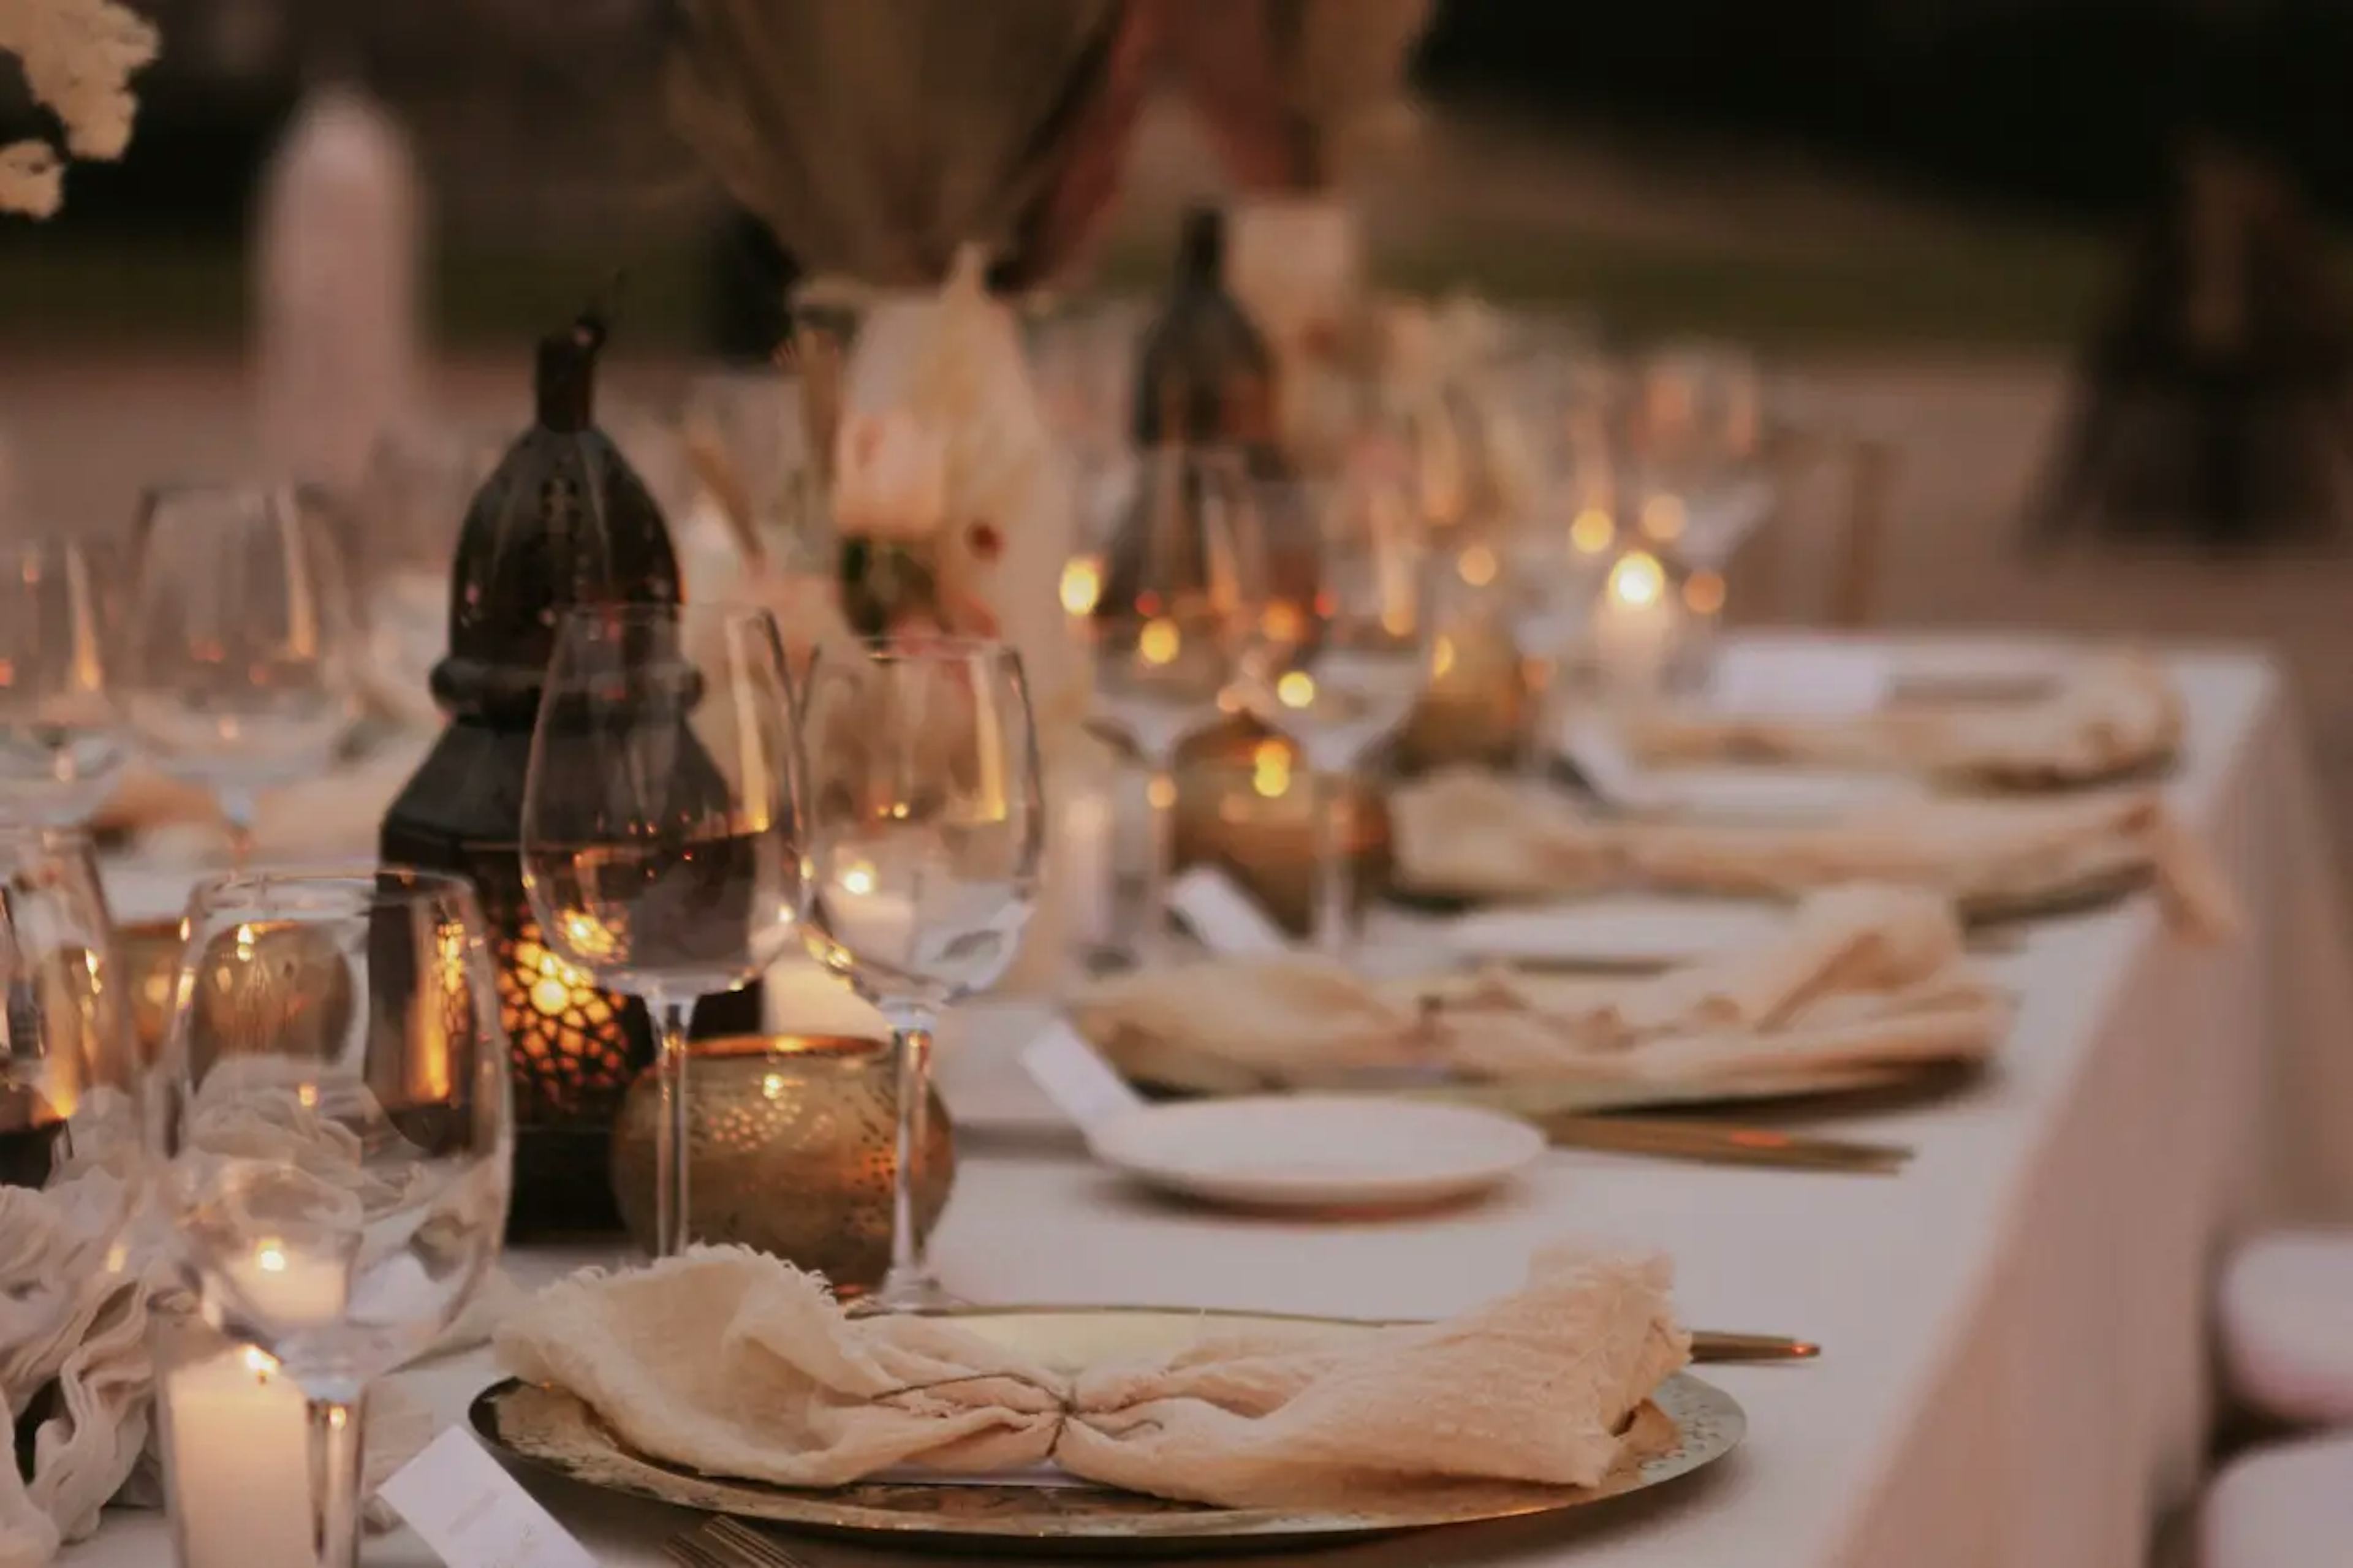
[{"x": 553, "y": 1430}]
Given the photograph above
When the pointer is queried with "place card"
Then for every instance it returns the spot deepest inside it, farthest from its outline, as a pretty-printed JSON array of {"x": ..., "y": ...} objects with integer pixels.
[
  {"x": 465, "y": 1506},
  {"x": 1073, "y": 1074},
  {"x": 1598, "y": 754},
  {"x": 1800, "y": 679},
  {"x": 1227, "y": 921}
]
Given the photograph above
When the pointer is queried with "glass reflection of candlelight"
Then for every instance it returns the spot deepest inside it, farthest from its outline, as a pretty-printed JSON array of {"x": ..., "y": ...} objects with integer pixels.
[
  {"x": 1592, "y": 532},
  {"x": 1271, "y": 769},
  {"x": 1476, "y": 566},
  {"x": 1662, "y": 518}
]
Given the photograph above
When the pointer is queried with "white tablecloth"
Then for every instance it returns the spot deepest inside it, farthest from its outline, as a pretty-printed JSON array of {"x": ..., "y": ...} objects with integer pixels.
[{"x": 2014, "y": 1369}]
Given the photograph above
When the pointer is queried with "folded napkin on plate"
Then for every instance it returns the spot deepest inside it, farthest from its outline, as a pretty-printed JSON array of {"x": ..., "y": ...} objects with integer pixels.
[
  {"x": 2111, "y": 715},
  {"x": 1861, "y": 976},
  {"x": 1473, "y": 834},
  {"x": 738, "y": 1364}
]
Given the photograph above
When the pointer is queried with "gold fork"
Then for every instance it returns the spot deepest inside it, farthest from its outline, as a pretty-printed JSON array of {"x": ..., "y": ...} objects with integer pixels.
[{"x": 720, "y": 1541}]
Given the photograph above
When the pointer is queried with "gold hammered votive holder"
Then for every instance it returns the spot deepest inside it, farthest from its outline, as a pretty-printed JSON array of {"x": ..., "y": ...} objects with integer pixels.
[{"x": 791, "y": 1146}]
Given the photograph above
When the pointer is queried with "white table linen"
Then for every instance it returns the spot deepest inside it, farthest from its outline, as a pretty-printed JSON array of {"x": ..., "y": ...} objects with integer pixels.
[{"x": 2015, "y": 1363}]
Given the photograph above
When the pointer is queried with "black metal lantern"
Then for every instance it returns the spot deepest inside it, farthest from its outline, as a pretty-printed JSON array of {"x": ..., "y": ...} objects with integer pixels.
[{"x": 562, "y": 521}]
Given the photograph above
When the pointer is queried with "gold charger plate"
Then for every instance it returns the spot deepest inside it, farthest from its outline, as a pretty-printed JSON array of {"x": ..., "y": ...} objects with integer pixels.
[
  {"x": 1163, "y": 1069},
  {"x": 553, "y": 1430}
]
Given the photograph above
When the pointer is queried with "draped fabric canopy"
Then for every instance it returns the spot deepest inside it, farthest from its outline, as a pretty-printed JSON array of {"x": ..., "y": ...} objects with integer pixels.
[{"x": 875, "y": 138}]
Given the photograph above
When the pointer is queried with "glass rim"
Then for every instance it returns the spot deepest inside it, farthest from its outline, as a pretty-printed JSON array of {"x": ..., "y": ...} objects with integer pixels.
[
  {"x": 940, "y": 648},
  {"x": 644, "y": 612},
  {"x": 228, "y": 890}
]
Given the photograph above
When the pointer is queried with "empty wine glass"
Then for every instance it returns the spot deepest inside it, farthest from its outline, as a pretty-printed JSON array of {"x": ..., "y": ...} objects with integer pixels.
[
  {"x": 925, "y": 830},
  {"x": 660, "y": 838},
  {"x": 68, "y": 1070},
  {"x": 333, "y": 1136},
  {"x": 1166, "y": 628},
  {"x": 1348, "y": 678},
  {"x": 61, "y": 739},
  {"x": 242, "y": 674}
]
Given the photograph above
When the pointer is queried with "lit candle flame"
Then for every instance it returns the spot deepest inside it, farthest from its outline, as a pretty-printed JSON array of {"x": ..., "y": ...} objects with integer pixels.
[
  {"x": 1638, "y": 579},
  {"x": 1081, "y": 584},
  {"x": 1295, "y": 689}
]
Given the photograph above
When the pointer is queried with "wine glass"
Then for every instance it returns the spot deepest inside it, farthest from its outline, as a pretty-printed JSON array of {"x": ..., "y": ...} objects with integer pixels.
[
  {"x": 925, "y": 830},
  {"x": 61, "y": 741},
  {"x": 333, "y": 1135},
  {"x": 68, "y": 1070},
  {"x": 1346, "y": 679},
  {"x": 242, "y": 671},
  {"x": 659, "y": 835},
  {"x": 1558, "y": 547},
  {"x": 1166, "y": 628}
]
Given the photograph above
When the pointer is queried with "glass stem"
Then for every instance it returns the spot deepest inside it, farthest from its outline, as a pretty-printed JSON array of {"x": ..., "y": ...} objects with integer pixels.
[
  {"x": 671, "y": 1018},
  {"x": 335, "y": 1417},
  {"x": 1333, "y": 927},
  {"x": 910, "y": 1283},
  {"x": 1153, "y": 946},
  {"x": 1539, "y": 734},
  {"x": 238, "y": 811}
]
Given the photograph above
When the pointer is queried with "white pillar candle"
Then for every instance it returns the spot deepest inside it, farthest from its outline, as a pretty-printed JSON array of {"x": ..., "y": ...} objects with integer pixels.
[
  {"x": 1634, "y": 627},
  {"x": 238, "y": 1464},
  {"x": 289, "y": 1288},
  {"x": 1083, "y": 862}
]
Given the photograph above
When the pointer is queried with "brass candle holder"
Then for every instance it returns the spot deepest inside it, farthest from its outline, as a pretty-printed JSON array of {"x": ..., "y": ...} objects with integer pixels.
[
  {"x": 1246, "y": 802},
  {"x": 791, "y": 1141}
]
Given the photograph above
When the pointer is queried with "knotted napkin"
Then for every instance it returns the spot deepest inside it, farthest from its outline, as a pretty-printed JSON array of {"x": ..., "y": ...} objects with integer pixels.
[
  {"x": 738, "y": 1364},
  {"x": 1471, "y": 835},
  {"x": 2107, "y": 716},
  {"x": 1859, "y": 977},
  {"x": 78, "y": 1381}
]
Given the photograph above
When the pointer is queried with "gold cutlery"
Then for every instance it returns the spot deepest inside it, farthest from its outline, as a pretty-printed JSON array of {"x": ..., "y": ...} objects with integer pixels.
[
  {"x": 721, "y": 1541},
  {"x": 1715, "y": 1142},
  {"x": 1712, "y": 1346}
]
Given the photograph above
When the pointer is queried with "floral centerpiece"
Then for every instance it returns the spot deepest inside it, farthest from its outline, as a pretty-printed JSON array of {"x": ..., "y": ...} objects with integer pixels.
[{"x": 77, "y": 57}]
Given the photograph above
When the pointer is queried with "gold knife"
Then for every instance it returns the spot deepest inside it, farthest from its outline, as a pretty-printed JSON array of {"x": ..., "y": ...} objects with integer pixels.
[
  {"x": 1712, "y": 1346},
  {"x": 1721, "y": 1143}
]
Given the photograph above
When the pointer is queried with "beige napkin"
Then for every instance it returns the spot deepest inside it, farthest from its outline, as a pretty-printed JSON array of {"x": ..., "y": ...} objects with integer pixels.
[
  {"x": 738, "y": 1364},
  {"x": 2111, "y": 715},
  {"x": 1861, "y": 976},
  {"x": 1473, "y": 834}
]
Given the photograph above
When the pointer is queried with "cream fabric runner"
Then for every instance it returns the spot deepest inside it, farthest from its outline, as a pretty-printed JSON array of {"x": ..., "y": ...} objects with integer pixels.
[
  {"x": 1863, "y": 975},
  {"x": 739, "y": 1364},
  {"x": 1473, "y": 834},
  {"x": 2111, "y": 715}
]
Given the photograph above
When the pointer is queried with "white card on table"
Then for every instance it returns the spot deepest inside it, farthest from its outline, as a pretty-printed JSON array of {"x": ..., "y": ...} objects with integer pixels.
[
  {"x": 467, "y": 1508},
  {"x": 1082, "y": 1085},
  {"x": 1800, "y": 679},
  {"x": 1227, "y": 920},
  {"x": 1595, "y": 749}
]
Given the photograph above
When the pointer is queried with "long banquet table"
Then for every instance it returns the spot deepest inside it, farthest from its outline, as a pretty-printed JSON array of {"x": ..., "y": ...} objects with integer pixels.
[{"x": 2014, "y": 1369}]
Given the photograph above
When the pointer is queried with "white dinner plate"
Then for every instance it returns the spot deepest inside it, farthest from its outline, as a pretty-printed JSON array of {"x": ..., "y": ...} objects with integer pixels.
[
  {"x": 1317, "y": 1150},
  {"x": 1621, "y": 930}
]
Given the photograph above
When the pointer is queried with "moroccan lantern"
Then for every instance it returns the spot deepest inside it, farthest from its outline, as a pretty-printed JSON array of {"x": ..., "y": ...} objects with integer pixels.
[{"x": 562, "y": 521}]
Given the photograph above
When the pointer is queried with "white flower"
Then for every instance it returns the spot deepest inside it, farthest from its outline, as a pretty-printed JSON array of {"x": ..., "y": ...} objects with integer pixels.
[
  {"x": 32, "y": 179},
  {"x": 889, "y": 478},
  {"x": 78, "y": 57}
]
